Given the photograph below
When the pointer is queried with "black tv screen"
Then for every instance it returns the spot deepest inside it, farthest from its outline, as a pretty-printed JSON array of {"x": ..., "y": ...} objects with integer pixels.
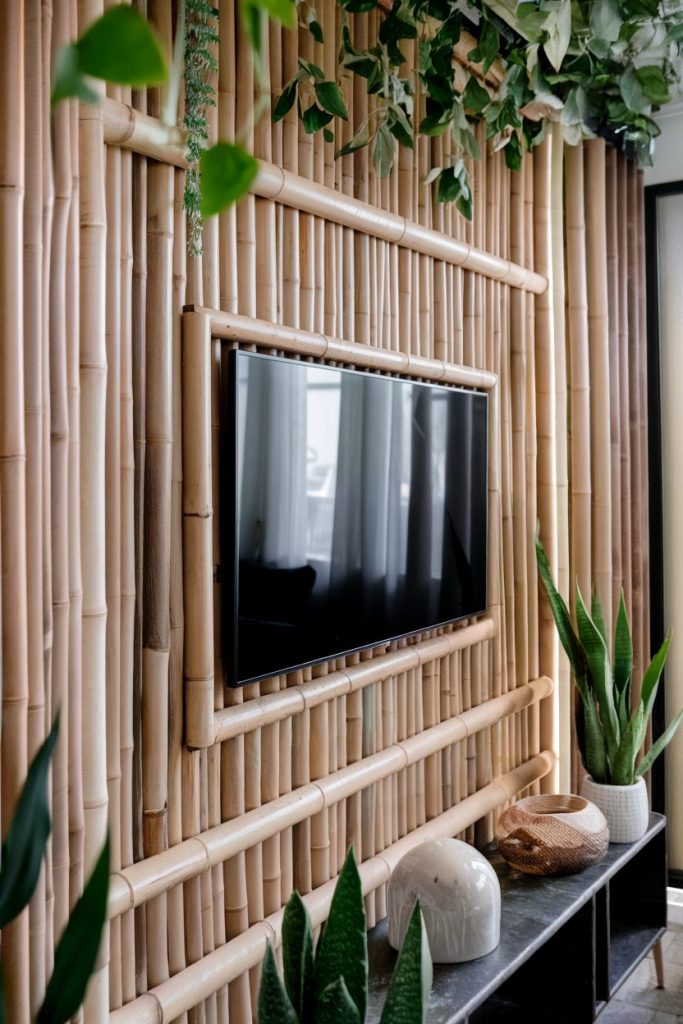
[{"x": 353, "y": 512}]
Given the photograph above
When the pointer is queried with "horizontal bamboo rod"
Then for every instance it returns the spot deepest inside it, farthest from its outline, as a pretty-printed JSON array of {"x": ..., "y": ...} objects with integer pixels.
[
  {"x": 140, "y": 133},
  {"x": 273, "y": 707},
  {"x": 190, "y": 986},
  {"x": 148, "y": 878},
  {"x": 234, "y": 327}
]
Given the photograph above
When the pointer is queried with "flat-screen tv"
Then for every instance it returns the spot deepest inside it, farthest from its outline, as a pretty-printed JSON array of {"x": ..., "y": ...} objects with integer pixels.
[{"x": 353, "y": 510}]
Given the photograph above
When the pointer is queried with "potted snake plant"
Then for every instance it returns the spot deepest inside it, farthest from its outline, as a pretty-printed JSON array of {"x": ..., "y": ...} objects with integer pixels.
[{"x": 611, "y": 731}]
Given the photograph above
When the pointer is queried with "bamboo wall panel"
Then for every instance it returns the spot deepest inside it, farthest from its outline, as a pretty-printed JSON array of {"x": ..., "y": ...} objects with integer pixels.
[{"x": 219, "y": 801}]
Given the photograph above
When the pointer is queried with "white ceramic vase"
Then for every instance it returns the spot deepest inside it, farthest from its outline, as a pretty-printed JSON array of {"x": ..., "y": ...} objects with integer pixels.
[
  {"x": 625, "y": 807},
  {"x": 459, "y": 895}
]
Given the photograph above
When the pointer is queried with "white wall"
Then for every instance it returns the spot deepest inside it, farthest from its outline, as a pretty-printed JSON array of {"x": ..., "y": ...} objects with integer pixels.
[{"x": 668, "y": 164}]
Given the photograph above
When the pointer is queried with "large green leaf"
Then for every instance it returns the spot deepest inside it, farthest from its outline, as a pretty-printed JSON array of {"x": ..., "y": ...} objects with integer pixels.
[
  {"x": 69, "y": 80},
  {"x": 342, "y": 949},
  {"x": 335, "y": 1006},
  {"x": 78, "y": 947},
  {"x": 122, "y": 47},
  {"x": 226, "y": 172},
  {"x": 24, "y": 846},
  {"x": 600, "y": 674},
  {"x": 653, "y": 673},
  {"x": 623, "y": 764},
  {"x": 568, "y": 637},
  {"x": 623, "y": 649},
  {"x": 597, "y": 615},
  {"x": 329, "y": 97},
  {"x": 297, "y": 954},
  {"x": 659, "y": 745},
  {"x": 411, "y": 982},
  {"x": 593, "y": 750},
  {"x": 274, "y": 1006}
]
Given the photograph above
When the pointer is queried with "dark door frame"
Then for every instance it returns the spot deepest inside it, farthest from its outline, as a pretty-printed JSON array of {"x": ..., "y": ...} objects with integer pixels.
[{"x": 657, "y": 624}]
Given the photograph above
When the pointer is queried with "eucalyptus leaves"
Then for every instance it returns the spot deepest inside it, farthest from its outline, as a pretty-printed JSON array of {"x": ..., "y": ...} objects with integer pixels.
[{"x": 592, "y": 65}]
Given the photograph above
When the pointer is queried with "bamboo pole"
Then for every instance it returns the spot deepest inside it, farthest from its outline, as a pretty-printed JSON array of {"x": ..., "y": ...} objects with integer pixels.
[
  {"x": 15, "y": 695},
  {"x": 598, "y": 337},
  {"x": 615, "y": 398},
  {"x": 167, "y": 1001},
  {"x": 637, "y": 497},
  {"x": 312, "y": 198},
  {"x": 546, "y": 422},
  {"x": 93, "y": 383},
  {"x": 624, "y": 388}
]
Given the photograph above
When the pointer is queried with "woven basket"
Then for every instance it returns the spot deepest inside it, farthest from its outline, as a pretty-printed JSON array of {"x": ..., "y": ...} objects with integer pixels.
[{"x": 552, "y": 835}]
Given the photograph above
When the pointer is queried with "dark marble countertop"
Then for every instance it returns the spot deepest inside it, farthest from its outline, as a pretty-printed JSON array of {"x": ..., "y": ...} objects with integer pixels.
[{"x": 533, "y": 909}]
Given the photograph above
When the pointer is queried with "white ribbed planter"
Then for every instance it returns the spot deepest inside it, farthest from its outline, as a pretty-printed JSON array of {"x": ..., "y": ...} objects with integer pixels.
[{"x": 625, "y": 807}]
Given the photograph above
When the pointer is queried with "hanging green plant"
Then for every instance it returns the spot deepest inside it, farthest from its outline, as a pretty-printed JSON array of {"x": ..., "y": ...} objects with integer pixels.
[{"x": 592, "y": 65}]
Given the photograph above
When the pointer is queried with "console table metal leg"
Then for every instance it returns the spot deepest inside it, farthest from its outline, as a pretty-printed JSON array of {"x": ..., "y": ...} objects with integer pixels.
[{"x": 659, "y": 963}]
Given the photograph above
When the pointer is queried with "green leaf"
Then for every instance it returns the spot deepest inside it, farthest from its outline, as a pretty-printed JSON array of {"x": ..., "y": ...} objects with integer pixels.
[
  {"x": 597, "y": 615},
  {"x": 411, "y": 981},
  {"x": 600, "y": 674},
  {"x": 313, "y": 119},
  {"x": 297, "y": 953},
  {"x": 623, "y": 650},
  {"x": 274, "y": 1006},
  {"x": 78, "y": 947},
  {"x": 329, "y": 97},
  {"x": 336, "y": 1006},
  {"x": 316, "y": 31},
  {"x": 654, "y": 85},
  {"x": 475, "y": 97},
  {"x": 69, "y": 79},
  {"x": 226, "y": 172},
  {"x": 328, "y": 135},
  {"x": 632, "y": 91},
  {"x": 360, "y": 139},
  {"x": 593, "y": 749},
  {"x": 384, "y": 151},
  {"x": 283, "y": 11},
  {"x": 342, "y": 949},
  {"x": 559, "y": 29},
  {"x": 121, "y": 47},
  {"x": 286, "y": 100},
  {"x": 653, "y": 673},
  {"x": 24, "y": 847},
  {"x": 622, "y": 767},
  {"x": 659, "y": 745},
  {"x": 568, "y": 637},
  {"x": 606, "y": 20}
]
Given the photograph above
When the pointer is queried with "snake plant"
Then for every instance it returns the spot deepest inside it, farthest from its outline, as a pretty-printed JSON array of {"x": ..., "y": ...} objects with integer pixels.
[
  {"x": 611, "y": 731},
  {"x": 330, "y": 985}
]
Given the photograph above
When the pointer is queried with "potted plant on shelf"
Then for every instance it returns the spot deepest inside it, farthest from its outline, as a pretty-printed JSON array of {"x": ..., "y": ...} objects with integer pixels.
[
  {"x": 610, "y": 732},
  {"x": 330, "y": 985}
]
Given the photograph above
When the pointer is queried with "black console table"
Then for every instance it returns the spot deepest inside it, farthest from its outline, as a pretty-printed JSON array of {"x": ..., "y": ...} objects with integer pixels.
[{"x": 566, "y": 944}]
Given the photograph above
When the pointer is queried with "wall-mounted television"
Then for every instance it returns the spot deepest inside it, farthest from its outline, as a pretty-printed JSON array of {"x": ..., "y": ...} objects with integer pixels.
[{"x": 353, "y": 510}]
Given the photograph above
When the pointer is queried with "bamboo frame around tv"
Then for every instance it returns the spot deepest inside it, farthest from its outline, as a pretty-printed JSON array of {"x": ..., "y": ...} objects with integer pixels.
[{"x": 204, "y": 725}]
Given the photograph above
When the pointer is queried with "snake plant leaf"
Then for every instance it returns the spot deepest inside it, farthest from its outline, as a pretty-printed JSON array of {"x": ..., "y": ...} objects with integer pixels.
[
  {"x": 593, "y": 751},
  {"x": 411, "y": 982},
  {"x": 297, "y": 954},
  {"x": 623, "y": 764},
  {"x": 274, "y": 1006},
  {"x": 342, "y": 949},
  {"x": 335, "y": 1005},
  {"x": 600, "y": 672},
  {"x": 597, "y": 615},
  {"x": 24, "y": 847},
  {"x": 568, "y": 637},
  {"x": 624, "y": 708},
  {"x": 653, "y": 673},
  {"x": 659, "y": 744},
  {"x": 623, "y": 648},
  {"x": 78, "y": 947}
]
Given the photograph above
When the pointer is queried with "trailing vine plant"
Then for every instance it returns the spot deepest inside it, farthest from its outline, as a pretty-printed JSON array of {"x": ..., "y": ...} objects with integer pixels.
[
  {"x": 593, "y": 65},
  {"x": 201, "y": 35}
]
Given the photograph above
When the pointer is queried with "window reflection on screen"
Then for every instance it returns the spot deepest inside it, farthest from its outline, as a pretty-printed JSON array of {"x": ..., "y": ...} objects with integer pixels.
[{"x": 361, "y": 510}]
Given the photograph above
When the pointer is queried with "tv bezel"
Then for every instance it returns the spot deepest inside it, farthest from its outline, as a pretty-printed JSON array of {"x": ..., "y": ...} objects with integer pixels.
[{"x": 227, "y": 571}]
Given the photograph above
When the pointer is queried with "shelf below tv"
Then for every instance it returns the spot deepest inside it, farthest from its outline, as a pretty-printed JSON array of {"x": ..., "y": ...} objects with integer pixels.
[{"x": 567, "y": 944}]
